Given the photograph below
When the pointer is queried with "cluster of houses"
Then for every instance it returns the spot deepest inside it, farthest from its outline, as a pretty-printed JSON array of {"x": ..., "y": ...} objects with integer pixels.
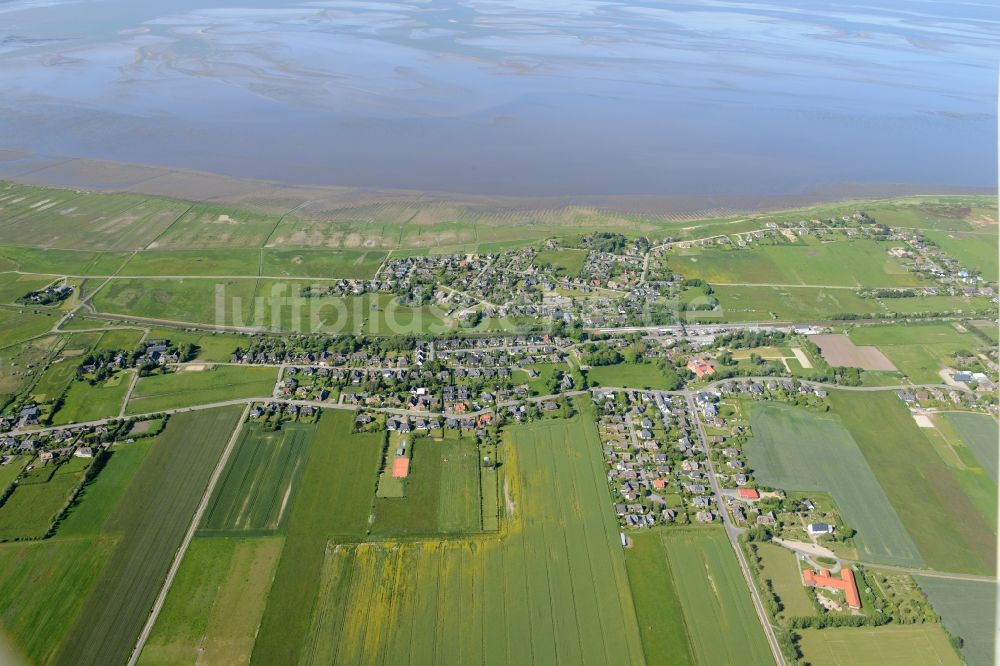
[
  {"x": 656, "y": 467},
  {"x": 48, "y": 296}
]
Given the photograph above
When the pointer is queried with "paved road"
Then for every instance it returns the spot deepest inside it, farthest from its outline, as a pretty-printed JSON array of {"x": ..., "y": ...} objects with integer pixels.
[
  {"x": 195, "y": 521},
  {"x": 733, "y": 533}
]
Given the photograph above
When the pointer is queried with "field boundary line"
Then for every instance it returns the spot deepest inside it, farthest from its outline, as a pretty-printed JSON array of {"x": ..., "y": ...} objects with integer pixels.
[{"x": 192, "y": 528}]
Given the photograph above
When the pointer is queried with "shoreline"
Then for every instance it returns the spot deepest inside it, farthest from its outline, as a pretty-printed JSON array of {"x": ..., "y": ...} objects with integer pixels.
[{"x": 25, "y": 168}]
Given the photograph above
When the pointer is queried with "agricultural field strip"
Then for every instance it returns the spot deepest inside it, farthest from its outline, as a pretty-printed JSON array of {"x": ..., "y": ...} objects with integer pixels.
[
  {"x": 195, "y": 520},
  {"x": 731, "y": 532}
]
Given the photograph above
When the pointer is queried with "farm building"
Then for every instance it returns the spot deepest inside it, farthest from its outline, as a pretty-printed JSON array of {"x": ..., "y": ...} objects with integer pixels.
[
  {"x": 845, "y": 583},
  {"x": 817, "y": 529},
  {"x": 700, "y": 367}
]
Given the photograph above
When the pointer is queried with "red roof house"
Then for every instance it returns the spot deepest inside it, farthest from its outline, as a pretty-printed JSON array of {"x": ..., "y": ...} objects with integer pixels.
[
  {"x": 748, "y": 493},
  {"x": 700, "y": 367},
  {"x": 845, "y": 583}
]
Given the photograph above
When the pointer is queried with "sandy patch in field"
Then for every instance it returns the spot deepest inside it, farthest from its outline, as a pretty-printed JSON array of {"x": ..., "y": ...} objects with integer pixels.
[
  {"x": 923, "y": 421},
  {"x": 195, "y": 367},
  {"x": 225, "y": 219},
  {"x": 801, "y": 357},
  {"x": 838, "y": 350},
  {"x": 140, "y": 427}
]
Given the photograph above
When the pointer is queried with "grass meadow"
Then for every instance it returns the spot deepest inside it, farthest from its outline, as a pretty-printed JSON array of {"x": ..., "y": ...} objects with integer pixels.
[
  {"x": 196, "y": 387},
  {"x": 99, "y": 497},
  {"x": 565, "y": 261},
  {"x": 968, "y": 609},
  {"x": 214, "y": 606},
  {"x": 193, "y": 300},
  {"x": 43, "y": 587},
  {"x": 553, "y": 588},
  {"x": 36, "y": 502},
  {"x": 722, "y": 624},
  {"x": 15, "y": 285},
  {"x": 657, "y": 605},
  {"x": 149, "y": 520},
  {"x": 979, "y": 432},
  {"x": 258, "y": 484},
  {"x": 949, "y": 530},
  {"x": 894, "y": 645},
  {"x": 795, "y": 449},
  {"x": 919, "y": 350},
  {"x": 83, "y": 402},
  {"x": 780, "y": 566},
  {"x": 629, "y": 375},
  {"x": 442, "y": 492},
  {"x": 855, "y": 263}
]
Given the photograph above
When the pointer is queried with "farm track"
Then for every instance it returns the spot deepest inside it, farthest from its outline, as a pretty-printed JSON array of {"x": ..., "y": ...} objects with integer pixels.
[{"x": 195, "y": 520}]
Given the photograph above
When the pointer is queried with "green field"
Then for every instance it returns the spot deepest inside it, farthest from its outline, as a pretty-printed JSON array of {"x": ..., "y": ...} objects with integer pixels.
[
  {"x": 60, "y": 262},
  {"x": 442, "y": 491},
  {"x": 207, "y": 226},
  {"x": 215, "y": 347},
  {"x": 334, "y": 499},
  {"x": 43, "y": 585},
  {"x": 919, "y": 350},
  {"x": 929, "y": 499},
  {"x": 14, "y": 285},
  {"x": 853, "y": 263},
  {"x": 21, "y": 323},
  {"x": 100, "y": 496},
  {"x": 553, "y": 589},
  {"x": 150, "y": 520},
  {"x": 795, "y": 449},
  {"x": 185, "y": 388},
  {"x": 215, "y": 604},
  {"x": 657, "y": 606},
  {"x": 720, "y": 618},
  {"x": 192, "y": 263},
  {"x": 968, "y": 609},
  {"x": 51, "y": 217},
  {"x": 38, "y": 499},
  {"x": 84, "y": 402},
  {"x": 629, "y": 375},
  {"x": 180, "y": 300},
  {"x": 980, "y": 434},
  {"x": 741, "y": 303},
  {"x": 351, "y": 264},
  {"x": 258, "y": 483},
  {"x": 565, "y": 261},
  {"x": 974, "y": 250},
  {"x": 780, "y": 566},
  {"x": 901, "y": 645},
  {"x": 124, "y": 339}
]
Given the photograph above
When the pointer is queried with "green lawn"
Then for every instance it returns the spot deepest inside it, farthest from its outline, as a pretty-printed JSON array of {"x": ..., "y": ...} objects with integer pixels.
[
  {"x": 719, "y": 615},
  {"x": 950, "y": 532},
  {"x": 739, "y": 303},
  {"x": 969, "y": 610},
  {"x": 20, "y": 323},
  {"x": 84, "y": 402},
  {"x": 900, "y": 645},
  {"x": 184, "y": 388},
  {"x": 215, "y": 347},
  {"x": 214, "y": 607},
  {"x": 60, "y": 262},
  {"x": 629, "y": 375},
  {"x": 258, "y": 484},
  {"x": 442, "y": 491},
  {"x": 150, "y": 519},
  {"x": 780, "y": 566},
  {"x": 657, "y": 606},
  {"x": 795, "y": 449}
]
